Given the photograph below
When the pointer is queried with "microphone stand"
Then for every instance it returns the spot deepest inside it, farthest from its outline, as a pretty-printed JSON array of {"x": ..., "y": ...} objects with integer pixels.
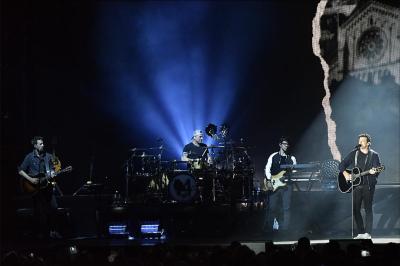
[
  {"x": 352, "y": 198},
  {"x": 159, "y": 173},
  {"x": 127, "y": 177},
  {"x": 203, "y": 162},
  {"x": 352, "y": 209}
]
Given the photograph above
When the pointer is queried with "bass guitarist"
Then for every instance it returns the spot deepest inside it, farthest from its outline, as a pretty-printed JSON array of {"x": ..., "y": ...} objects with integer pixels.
[
  {"x": 273, "y": 219},
  {"x": 365, "y": 159},
  {"x": 39, "y": 163}
]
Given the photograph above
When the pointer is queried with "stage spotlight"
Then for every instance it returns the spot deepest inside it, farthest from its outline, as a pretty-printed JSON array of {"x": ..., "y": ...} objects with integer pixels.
[{"x": 164, "y": 77}]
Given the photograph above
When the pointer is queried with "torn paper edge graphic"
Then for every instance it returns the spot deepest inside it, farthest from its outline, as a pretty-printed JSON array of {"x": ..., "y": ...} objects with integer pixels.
[{"x": 331, "y": 125}]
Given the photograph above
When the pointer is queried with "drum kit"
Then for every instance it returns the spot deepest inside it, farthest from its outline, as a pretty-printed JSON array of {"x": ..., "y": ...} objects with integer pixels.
[{"x": 228, "y": 177}]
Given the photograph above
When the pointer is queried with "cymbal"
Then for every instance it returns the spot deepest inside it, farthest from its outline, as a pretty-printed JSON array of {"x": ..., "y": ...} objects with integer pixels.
[
  {"x": 228, "y": 147},
  {"x": 144, "y": 155},
  {"x": 146, "y": 149},
  {"x": 240, "y": 147},
  {"x": 178, "y": 161},
  {"x": 234, "y": 144},
  {"x": 138, "y": 149},
  {"x": 156, "y": 148},
  {"x": 230, "y": 142}
]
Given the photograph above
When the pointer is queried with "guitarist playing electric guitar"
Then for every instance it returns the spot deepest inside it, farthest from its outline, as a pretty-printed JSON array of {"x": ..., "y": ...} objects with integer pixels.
[
  {"x": 369, "y": 165},
  {"x": 37, "y": 163},
  {"x": 280, "y": 190}
]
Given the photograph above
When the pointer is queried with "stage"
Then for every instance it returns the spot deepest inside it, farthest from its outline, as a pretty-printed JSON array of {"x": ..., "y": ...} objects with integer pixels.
[
  {"x": 315, "y": 214},
  {"x": 96, "y": 229}
]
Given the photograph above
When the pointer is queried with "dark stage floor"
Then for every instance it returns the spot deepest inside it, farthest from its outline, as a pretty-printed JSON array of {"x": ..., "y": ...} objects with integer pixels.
[{"x": 86, "y": 220}]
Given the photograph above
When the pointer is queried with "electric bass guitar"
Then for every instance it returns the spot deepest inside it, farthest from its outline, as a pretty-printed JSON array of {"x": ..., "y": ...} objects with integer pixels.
[
  {"x": 44, "y": 181},
  {"x": 277, "y": 181},
  {"x": 346, "y": 186}
]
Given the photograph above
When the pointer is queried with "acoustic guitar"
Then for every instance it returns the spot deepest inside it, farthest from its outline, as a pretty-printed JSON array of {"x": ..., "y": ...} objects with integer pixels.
[
  {"x": 346, "y": 186},
  {"x": 44, "y": 181}
]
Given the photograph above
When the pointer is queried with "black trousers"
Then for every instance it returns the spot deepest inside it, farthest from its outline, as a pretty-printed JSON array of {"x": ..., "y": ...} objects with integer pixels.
[
  {"x": 279, "y": 207},
  {"x": 45, "y": 210},
  {"x": 363, "y": 195}
]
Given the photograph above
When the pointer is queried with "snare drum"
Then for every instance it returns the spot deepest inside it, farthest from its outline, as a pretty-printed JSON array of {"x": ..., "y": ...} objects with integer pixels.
[
  {"x": 175, "y": 167},
  {"x": 183, "y": 188}
]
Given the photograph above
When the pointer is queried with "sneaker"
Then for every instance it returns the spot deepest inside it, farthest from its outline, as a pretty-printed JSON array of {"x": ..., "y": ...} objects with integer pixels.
[
  {"x": 359, "y": 236},
  {"x": 367, "y": 236},
  {"x": 275, "y": 226},
  {"x": 363, "y": 236}
]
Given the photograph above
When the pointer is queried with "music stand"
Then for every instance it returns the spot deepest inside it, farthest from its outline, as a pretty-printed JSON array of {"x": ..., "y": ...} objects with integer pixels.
[{"x": 89, "y": 187}]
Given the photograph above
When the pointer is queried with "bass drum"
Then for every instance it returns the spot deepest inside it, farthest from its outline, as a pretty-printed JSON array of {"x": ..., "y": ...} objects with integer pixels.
[{"x": 183, "y": 188}]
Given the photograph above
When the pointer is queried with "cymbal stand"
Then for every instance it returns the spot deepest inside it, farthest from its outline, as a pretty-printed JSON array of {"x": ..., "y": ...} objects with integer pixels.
[
  {"x": 127, "y": 177},
  {"x": 159, "y": 173},
  {"x": 214, "y": 178}
]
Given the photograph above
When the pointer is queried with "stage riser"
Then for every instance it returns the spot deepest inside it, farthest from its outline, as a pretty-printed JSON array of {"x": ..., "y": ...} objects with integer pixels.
[{"x": 313, "y": 213}]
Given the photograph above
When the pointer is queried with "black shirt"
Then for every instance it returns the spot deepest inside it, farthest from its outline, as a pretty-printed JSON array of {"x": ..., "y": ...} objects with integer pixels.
[
  {"x": 195, "y": 152},
  {"x": 361, "y": 161}
]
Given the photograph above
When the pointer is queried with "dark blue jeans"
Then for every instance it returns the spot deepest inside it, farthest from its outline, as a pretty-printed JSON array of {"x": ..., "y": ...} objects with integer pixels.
[{"x": 278, "y": 207}]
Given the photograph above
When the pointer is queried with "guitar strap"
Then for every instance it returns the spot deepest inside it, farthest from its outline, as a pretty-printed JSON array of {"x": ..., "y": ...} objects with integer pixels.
[
  {"x": 355, "y": 159},
  {"x": 46, "y": 163},
  {"x": 368, "y": 159}
]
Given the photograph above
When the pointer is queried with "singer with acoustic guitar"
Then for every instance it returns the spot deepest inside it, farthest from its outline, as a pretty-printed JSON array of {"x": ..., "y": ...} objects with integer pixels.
[
  {"x": 359, "y": 171},
  {"x": 35, "y": 171}
]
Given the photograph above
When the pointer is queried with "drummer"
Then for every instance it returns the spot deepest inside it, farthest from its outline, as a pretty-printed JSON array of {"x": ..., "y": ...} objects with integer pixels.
[
  {"x": 196, "y": 150},
  {"x": 196, "y": 154}
]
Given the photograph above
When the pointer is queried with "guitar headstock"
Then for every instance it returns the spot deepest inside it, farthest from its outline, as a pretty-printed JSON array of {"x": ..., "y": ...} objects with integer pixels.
[
  {"x": 66, "y": 169},
  {"x": 379, "y": 168}
]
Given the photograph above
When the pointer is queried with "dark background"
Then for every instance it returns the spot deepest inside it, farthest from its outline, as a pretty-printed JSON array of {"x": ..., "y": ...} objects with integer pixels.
[{"x": 53, "y": 85}]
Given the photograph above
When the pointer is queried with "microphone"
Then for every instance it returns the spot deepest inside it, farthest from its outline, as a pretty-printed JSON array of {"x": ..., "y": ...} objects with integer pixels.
[{"x": 357, "y": 146}]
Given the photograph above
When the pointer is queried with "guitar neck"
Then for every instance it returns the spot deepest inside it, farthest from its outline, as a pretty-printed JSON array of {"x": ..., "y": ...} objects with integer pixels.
[
  {"x": 364, "y": 173},
  {"x": 67, "y": 169},
  {"x": 377, "y": 170}
]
